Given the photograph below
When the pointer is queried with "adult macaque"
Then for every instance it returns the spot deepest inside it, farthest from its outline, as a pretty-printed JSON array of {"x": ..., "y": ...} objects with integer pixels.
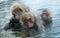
[{"x": 31, "y": 23}]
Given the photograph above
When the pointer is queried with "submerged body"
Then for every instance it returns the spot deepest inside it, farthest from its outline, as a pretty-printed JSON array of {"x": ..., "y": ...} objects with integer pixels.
[{"x": 14, "y": 25}]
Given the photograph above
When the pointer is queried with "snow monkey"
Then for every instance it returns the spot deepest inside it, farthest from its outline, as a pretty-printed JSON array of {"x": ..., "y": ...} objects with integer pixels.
[{"x": 46, "y": 17}]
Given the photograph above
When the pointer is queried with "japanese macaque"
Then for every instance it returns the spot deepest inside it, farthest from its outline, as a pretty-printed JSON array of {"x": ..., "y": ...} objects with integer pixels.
[
  {"x": 46, "y": 17},
  {"x": 31, "y": 23},
  {"x": 18, "y": 9}
]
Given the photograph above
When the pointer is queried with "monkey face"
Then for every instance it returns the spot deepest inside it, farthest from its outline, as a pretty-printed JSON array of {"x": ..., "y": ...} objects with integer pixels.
[
  {"x": 27, "y": 19},
  {"x": 44, "y": 15}
]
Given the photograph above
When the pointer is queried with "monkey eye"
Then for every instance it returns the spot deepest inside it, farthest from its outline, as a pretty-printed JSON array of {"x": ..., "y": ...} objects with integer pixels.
[
  {"x": 30, "y": 19},
  {"x": 20, "y": 10}
]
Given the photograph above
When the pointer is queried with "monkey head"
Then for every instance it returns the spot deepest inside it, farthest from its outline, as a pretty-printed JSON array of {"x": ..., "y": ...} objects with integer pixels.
[
  {"x": 27, "y": 19},
  {"x": 17, "y": 9}
]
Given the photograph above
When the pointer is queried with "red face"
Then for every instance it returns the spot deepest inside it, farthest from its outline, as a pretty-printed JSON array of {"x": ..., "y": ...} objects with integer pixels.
[
  {"x": 28, "y": 22},
  {"x": 45, "y": 15}
]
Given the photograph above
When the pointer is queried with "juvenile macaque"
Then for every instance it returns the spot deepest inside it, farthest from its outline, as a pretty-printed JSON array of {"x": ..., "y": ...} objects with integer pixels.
[
  {"x": 14, "y": 25},
  {"x": 46, "y": 17}
]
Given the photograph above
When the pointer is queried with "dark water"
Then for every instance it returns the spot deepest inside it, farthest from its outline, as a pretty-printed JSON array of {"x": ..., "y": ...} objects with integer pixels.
[{"x": 35, "y": 5}]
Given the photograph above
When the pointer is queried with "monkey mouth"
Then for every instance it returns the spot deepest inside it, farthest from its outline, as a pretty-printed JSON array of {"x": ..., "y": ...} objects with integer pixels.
[
  {"x": 15, "y": 16},
  {"x": 28, "y": 22}
]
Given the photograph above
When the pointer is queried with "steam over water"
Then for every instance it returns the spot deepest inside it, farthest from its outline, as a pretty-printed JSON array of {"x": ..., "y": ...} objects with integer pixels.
[{"x": 36, "y": 6}]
